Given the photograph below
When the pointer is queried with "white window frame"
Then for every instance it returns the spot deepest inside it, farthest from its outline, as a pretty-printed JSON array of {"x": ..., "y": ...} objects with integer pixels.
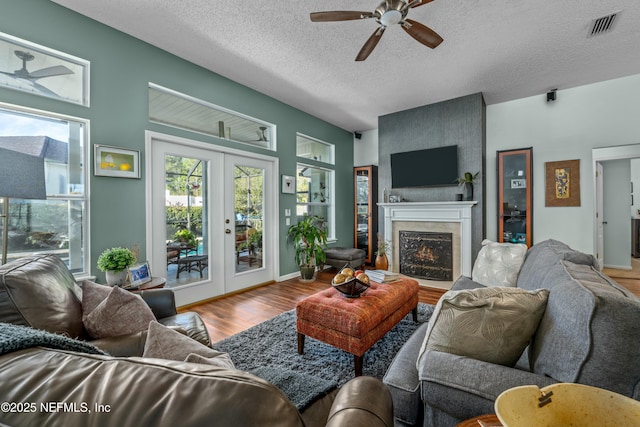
[
  {"x": 302, "y": 139},
  {"x": 86, "y": 229},
  {"x": 331, "y": 220}
]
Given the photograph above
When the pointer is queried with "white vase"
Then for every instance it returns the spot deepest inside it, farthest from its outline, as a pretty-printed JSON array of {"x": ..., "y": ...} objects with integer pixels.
[{"x": 116, "y": 278}]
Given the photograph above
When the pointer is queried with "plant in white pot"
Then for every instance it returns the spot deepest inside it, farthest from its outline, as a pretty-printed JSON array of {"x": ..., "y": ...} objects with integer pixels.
[
  {"x": 309, "y": 238},
  {"x": 114, "y": 263}
]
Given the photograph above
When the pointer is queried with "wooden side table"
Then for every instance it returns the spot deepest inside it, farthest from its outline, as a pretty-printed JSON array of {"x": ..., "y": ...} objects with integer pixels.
[
  {"x": 155, "y": 283},
  {"x": 488, "y": 420}
]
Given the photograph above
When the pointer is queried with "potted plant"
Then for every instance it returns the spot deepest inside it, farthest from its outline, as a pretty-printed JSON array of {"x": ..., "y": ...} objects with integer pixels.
[
  {"x": 468, "y": 180},
  {"x": 185, "y": 237},
  {"x": 114, "y": 263},
  {"x": 309, "y": 238},
  {"x": 382, "y": 261}
]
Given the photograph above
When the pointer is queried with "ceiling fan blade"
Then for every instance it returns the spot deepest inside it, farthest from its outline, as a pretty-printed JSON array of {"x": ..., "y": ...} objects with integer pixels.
[
  {"x": 417, "y": 3},
  {"x": 57, "y": 70},
  {"x": 370, "y": 44},
  {"x": 422, "y": 33},
  {"x": 339, "y": 15}
]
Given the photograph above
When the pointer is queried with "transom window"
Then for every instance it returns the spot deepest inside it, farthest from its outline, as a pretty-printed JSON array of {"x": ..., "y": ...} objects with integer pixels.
[
  {"x": 58, "y": 224},
  {"x": 171, "y": 108},
  {"x": 314, "y": 149}
]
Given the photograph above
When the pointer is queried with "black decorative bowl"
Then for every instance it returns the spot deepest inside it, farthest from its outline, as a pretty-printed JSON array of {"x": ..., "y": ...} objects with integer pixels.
[{"x": 351, "y": 288}]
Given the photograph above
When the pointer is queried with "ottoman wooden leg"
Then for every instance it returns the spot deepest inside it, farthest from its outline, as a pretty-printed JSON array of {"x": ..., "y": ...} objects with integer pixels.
[
  {"x": 300, "y": 343},
  {"x": 414, "y": 314},
  {"x": 357, "y": 361}
]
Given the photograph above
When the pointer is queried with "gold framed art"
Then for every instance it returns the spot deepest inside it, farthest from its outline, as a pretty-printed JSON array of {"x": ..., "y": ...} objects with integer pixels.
[{"x": 562, "y": 183}]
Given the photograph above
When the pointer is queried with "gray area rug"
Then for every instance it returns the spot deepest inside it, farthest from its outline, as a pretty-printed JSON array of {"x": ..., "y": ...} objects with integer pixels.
[{"x": 270, "y": 351}]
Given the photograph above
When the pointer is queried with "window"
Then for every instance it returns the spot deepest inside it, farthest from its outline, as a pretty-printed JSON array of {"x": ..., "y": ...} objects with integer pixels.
[
  {"x": 311, "y": 148},
  {"x": 171, "y": 108},
  {"x": 314, "y": 194},
  {"x": 58, "y": 224}
]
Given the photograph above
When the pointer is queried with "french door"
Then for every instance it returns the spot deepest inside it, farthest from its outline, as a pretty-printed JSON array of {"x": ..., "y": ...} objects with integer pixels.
[{"x": 211, "y": 218}]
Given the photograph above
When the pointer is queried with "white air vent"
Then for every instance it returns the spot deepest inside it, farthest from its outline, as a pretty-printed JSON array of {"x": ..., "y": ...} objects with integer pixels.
[{"x": 603, "y": 25}]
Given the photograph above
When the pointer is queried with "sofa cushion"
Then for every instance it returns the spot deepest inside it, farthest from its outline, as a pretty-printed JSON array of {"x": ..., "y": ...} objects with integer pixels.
[
  {"x": 40, "y": 291},
  {"x": 490, "y": 324},
  {"x": 121, "y": 313},
  {"x": 541, "y": 256},
  {"x": 166, "y": 343},
  {"x": 498, "y": 264},
  {"x": 92, "y": 295},
  {"x": 587, "y": 334}
]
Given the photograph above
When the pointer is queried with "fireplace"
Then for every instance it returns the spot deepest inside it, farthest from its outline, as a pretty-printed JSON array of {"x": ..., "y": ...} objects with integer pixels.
[
  {"x": 426, "y": 255},
  {"x": 449, "y": 220}
]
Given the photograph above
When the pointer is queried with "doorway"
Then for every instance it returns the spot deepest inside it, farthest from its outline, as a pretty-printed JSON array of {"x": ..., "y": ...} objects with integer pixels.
[
  {"x": 211, "y": 217},
  {"x": 615, "y": 209}
]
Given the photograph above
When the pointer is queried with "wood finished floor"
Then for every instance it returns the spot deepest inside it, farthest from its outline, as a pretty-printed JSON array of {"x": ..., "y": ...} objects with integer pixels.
[
  {"x": 229, "y": 315},
  {"x": 232, "y": 314}
]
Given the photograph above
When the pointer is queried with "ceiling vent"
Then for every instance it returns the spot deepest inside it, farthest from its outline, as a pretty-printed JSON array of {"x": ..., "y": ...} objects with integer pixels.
[{"x": 603, "y": 25}]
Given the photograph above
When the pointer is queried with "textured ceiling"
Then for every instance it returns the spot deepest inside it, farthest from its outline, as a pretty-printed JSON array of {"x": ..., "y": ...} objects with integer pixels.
[{"x": 506, "y": 49}]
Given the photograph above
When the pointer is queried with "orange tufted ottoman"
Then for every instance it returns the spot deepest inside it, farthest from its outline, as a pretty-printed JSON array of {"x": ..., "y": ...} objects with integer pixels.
[{"x": 355, "y": 324}]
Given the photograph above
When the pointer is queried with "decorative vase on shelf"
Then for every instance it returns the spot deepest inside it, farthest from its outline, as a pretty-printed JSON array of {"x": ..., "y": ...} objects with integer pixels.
[
  {"x": 468, "y": 191},
  {"x": 382, "y": 262}
]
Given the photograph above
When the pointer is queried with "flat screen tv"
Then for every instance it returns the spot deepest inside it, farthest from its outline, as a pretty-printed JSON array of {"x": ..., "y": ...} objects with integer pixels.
[{"x": 425, "y": 168}]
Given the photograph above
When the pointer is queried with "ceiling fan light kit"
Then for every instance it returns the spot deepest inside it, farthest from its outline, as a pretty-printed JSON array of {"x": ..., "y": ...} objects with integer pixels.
[{"x": 388, "y": 13}]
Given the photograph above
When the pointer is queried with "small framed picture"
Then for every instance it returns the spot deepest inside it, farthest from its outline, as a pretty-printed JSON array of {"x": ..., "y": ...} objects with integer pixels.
[
  {"x": 139, "y": 274},
  {"x": 518, "y": 183},
  {"x": 394, "y": 198},
  {"x": 288, "y": 184},
  {"x": 116, "y": 162}
]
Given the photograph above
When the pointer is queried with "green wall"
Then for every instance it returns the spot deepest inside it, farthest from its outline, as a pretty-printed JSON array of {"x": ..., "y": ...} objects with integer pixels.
[{"x": 121, "y": 68}]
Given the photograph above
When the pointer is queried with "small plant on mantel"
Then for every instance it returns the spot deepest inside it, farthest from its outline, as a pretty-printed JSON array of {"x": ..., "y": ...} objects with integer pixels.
[
  {"x": 468, "y": 180},
  {"x": 382, "y": 262}
]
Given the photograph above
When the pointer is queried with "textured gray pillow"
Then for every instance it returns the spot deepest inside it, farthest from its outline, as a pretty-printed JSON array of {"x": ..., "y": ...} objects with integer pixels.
[
  {"x": 166, "y": 343},
  {"x": 490, "y": 324},
  {"x": 121, "y": 313},
  {"x": 92, "y": 295}
]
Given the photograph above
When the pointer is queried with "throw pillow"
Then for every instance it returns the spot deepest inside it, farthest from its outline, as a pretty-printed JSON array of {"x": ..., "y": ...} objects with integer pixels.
[
  {"x": 121, "y": 313},
  {"x": 498, "y": 264},
  {"x": 166, "y": 343},
  {"x": 92, "y": 295},
  {"x": 490, "y": 324}
]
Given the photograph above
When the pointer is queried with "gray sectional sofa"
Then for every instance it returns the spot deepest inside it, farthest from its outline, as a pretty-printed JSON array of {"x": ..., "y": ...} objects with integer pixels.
[{"x": 589, "y": 334}]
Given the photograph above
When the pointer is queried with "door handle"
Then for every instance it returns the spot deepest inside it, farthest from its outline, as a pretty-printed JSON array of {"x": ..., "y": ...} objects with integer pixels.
[
  {"x": 227, "y": 231},
  {"x": 604, "y": 222}
]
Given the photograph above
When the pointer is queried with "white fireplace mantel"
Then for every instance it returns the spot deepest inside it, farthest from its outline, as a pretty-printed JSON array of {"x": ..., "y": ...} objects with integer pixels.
[{"x": 457, "y": 212}]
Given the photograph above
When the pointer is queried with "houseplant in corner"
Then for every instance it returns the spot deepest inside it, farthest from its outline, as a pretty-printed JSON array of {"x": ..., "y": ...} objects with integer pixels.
[
  {"x": 468, "y": 180},
  {"x": 309, "y": 238},
  {"x": 114, "y": 263}
]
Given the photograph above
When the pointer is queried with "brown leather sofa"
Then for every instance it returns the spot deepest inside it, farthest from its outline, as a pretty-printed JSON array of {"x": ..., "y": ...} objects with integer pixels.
[
  {"x": 40, "y": 291},
  {"x": 52, "y": 387}
]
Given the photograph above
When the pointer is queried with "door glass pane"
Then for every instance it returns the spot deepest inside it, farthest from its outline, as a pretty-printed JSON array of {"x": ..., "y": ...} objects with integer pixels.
[
  {"x": 363, "y": 214},
  {"x": 186, "y": 206},
  {"x": 249, "y": 212}
]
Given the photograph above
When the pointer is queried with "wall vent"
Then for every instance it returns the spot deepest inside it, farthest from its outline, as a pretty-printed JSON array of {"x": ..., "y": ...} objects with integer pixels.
[{"x": 603, "y": 24}]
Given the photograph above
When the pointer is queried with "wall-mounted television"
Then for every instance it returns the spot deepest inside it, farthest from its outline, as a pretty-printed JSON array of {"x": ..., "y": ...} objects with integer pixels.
[{"x": 425, "y": 168}]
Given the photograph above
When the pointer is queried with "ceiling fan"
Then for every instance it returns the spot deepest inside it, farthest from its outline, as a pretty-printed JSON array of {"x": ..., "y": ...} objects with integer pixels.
[
  {"x": 23, "y": 73},
  {"x": 389, "y": 12}
]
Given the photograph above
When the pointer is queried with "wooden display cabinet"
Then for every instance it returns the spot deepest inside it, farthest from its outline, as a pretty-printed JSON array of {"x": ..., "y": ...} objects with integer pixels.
[
  {"x": 365, "y": 180},
  {"x": 515, "y": 196}
]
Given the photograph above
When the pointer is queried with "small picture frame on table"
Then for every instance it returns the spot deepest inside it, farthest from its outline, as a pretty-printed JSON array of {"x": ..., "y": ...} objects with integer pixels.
[{"x": 139, "y": 274}]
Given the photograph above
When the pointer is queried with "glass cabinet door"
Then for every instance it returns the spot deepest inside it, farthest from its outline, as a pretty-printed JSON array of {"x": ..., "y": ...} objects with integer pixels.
[
  {"x": 365, "y": 223},
  {"x": 515, "y": 207}
]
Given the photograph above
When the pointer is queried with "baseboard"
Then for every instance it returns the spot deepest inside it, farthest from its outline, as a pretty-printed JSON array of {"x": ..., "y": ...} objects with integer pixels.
[
  {"x": 618, "y": 267},
  {"x": 289, "y": 276}
]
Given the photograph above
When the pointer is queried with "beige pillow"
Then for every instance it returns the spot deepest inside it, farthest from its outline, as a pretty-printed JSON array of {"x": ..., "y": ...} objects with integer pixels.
[
  {"x": 490, "y": 324},
  {"x": 92, "y": 295},
  {"x": 498, "y": 264},
  {"x": 120, "y": 313},
  {"x": 166, "y": 343}
]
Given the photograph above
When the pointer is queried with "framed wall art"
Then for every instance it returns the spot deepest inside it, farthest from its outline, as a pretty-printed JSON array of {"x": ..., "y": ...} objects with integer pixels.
[
  {"x": 116, "y": 162},
  {"x": 562, "y": 183},
  {"x": 288, "y": 184},
  {"x": 36, "y": 69},
  {"x": 139, "y": 274}
]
